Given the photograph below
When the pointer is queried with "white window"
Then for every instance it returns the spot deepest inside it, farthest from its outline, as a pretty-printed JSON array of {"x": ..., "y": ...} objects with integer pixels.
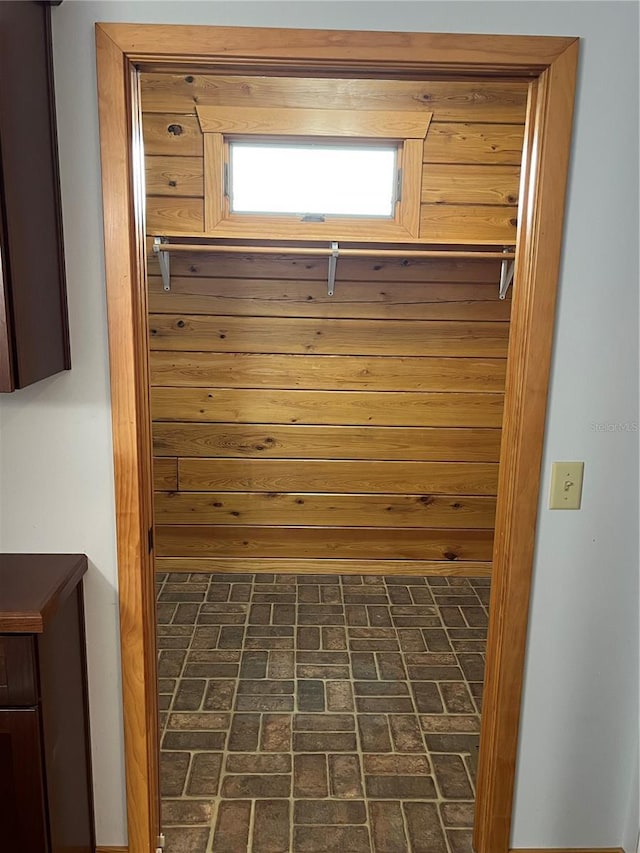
[{"x": 313, "y": 180}]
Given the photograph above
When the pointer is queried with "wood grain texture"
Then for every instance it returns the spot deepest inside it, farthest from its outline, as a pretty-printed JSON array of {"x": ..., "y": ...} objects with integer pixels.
[
  {"x": 230, "y": 440},
  {"x": 172, "y": 135},
  {"x": 490, "y": 100},
  {"x": 301, "y": 566},
  {"x": 309, "y": 510},
  {"x": 451, "y": 222},
  {"x": 214, "y": 190},
  {"x": 329, "y": 337},
  {"x": 175, "y": 215},
  {"x": 165, "y": 474},
  {"x": 174, "y": 176},
  {"x": 485, "y": 144},
  {"x": 326, "y": 372},
  {"x": 446, "y": 183},
  {"x": 342, "y": 476},
  {"x": 102, "y": 849},
  {"x": 369, "y": 543},
  {"x": 362, "y": 300},
  {"x": 348, "y": 408},
  {"x": 284, "y": 121}
]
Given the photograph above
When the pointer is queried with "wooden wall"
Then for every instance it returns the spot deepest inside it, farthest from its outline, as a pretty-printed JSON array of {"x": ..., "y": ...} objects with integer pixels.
[
  {"x": 294, "y": 431},
  {"x": 472, "y": 151}
]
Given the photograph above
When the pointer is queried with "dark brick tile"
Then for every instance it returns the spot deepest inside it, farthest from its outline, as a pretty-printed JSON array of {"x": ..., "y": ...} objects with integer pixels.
[
  {"x": 199, "y": 722},
  {"x": 276, "y": 733},
  {"x": 427, "y": 697},
  {"x": 451, "y": 777},
  {"x": 283, "y": 614},
  {"x": 310, "y": 695},
  {"x": 400, "y": 787},
  {"x": 310, "y": 776},
  {"x": 363, "y": 665},
  {"x": 457, "y": 699},
  {"x": 213, "y": 656},
  {"x": 356, "y": 615},
  {"x": 219, "y": 592},
  {"x": 190, "y": 839},
  {"x": 245, "y": 730},
  {"x": 266, "y": 642},
  {"x": 271, "y": 827},
  {"x": 281, "y": 664},
  {"x": 452, "y": 617},
  {"x": 457, "y": 814},
  {"x": 339, "y": 696},
  {"x": 178, "y": 642},
  {"x": 265, "y": 687},
  {"x": 420, "y": 595},
  {"x": 273, "y": 598},
  {"x": 173, "y": 773},
  {"x": 460, "y": 840},
  {"x": 472, "y": 666},
  {"x": 434, "y": 673},
  {"x": 210, "y": 670},
  {"x": 326, "y": 618},
  {"x": 186, "y": 614},
  {"x": 170, "y": 663},
  {"x": 205, "y": 637},
  {"x": 455, "y": 599},
  {"x": 189, "y": 694},
  {"x": 219, "y": 696},
  {"x": 334, "y": 580},
  {"x": 365, "y": 597},
  {"x": 232, "y": 827},
  {"x": 424, "y": 829},
  {"x": 264, "y": 703},
  {"x": 404, "y": 580},
  {"x": 334, "y": 638},
  {"x": 308, "y": 638},
  {"x": 384, "y": 704},
  {"x": 271, "y": 631},
  {"x": 323, "y": 657},
  {"x": 324, "y": 723},
  {"x": 174, "y": 630},
  {"x": 270, "y": 786},
  {"x": 399, "y": 595},
  {"x": 461, "y": 743},
  {"x": 381, "y": 688},
  {"x": 166, "y": 685},
  {"x": 391, "y": 665},
  {"x": 329, "y": 812},
  {"x": 181, "y": 595},
  {"x": 373, "y": 645},
  {"x": 164, "y": 612},
  {"x": 324, "y": 742},
  {"x": 471, "y": 762},
  {"x": 345, "y": 777},
  {"x": 308, "y": 594},
  {"x": 260, "y": 614},
  {"x": 395, "y": 765},
  {"x": 476, "y": 691},
  {"x": 387, "y": 828},
  {"x": 164, "y": 702},
  {"x": 251, "y": 762},
  {"x": 231, "y": 637},
  {"x": 205, "y": 774},
  {"x": 254, "y": 665},
  {"x": 405, "y": 733},
  {"x": 374, "y": 733},
  {"x": 378, "y": 616},
  {"x": 309, "y": 670},
  {"x": 208, "y": 741},
  {"x": 234, "y": 578},
  {"x": 450, "y": 723},
  {"x": 476, "y": 617},
  {"x": 436, "y": 640},
  {"x": 240, "y": 592},
  {"x": 264, "y": 577},
  {"x": 411, "y": 640},
  {"x": 331, "y": 839},
  {"x": 330, "y": 594}
]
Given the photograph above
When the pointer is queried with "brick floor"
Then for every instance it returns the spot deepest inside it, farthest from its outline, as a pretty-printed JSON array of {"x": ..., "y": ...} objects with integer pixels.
[{"x": 319, "y": 713}]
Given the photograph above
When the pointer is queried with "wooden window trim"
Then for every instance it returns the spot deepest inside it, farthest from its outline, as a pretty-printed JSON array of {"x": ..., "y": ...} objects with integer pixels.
[
  {"x": 550, "y": 63},
  {"x": 221, "y": 124}
]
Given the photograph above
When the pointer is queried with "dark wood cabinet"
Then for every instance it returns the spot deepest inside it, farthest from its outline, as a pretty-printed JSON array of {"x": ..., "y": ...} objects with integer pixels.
[
  {"x": 46, "y": 801},
  {"x": 34, "y": 337}
]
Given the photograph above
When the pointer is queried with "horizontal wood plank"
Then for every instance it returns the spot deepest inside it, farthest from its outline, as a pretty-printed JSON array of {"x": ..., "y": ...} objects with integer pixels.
[
  {"x": 301, "y": 269},
  {"x": 309, "y": 510},
  {"x": 255, "y": 441},
  {"x": 317, "y": 542},
  {"x": 483, "y": 144},
  {"x": 172, "y": 135},
  {"x": 328, "y": 372},
  {"x": 169, "y": 215},
  {"x": 443, "y": 183},
  {"x": 165, "y": 474},
  {"x": 196, "y": 332},
  {"x": 258, "y": 565},
  {"x": 174, "y": 176},
  {"x": 454, "y": 223},
  {"x": 347, "y": 477},
  {"x": 349, "y": 408},
  {"x": 352, "y": 299},
  {"x": 486, "y": 100}
]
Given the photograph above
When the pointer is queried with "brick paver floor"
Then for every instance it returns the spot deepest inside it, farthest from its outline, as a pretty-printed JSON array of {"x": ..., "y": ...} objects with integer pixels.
[{"x": 319, "y": 713}]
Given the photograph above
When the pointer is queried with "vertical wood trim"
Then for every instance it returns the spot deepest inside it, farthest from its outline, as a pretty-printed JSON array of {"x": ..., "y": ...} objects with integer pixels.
[
  {"x": 411, "y": 185},
  {"x": 213, "y": 179},
  {"x": 529, "y": 358},
  {"x": 124, "y": 247}
]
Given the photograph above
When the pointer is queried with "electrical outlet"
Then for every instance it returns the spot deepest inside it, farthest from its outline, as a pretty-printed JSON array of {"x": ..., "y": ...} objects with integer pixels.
[{"x": 566, "y": 485}]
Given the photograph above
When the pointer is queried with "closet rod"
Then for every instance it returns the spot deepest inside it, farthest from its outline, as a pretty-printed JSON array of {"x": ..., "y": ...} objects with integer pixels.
[{"x": 345, "y": 252}]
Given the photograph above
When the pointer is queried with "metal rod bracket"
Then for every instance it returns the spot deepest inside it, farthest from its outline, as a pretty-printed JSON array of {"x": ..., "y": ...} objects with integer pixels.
[
  {"x": 506, "y": 275},
  {"x": 163, "y": 260},
  {"x": 333, "y": 262}
]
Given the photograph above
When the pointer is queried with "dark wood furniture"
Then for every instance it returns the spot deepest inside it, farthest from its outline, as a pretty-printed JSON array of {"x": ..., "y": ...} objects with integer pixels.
[
  {"x": 34, "y": 338},
  {"x": 46, "y": 801}
]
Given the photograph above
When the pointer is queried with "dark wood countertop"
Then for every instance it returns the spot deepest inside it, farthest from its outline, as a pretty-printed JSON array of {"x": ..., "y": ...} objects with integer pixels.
[{"x": 33, "y": 586}]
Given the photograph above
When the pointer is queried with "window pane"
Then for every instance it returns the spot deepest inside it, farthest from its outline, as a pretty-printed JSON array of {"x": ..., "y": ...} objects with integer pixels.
[{"x": 316, "y": 179}]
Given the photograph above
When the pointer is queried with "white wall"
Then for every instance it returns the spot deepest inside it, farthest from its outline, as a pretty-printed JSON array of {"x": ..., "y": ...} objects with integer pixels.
[{"x": 577, "y": 779}]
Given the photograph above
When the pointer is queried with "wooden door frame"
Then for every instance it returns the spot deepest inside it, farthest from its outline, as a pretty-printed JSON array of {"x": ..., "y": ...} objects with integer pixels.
[{"x": 550, "y": 63}]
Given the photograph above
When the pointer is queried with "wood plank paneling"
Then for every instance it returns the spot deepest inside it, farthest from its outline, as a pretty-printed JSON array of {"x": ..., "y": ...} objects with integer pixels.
[
  {"x": 174, "y": 176},
  {"x": 196, "y": 332},
  {"x": 172, "y": 135},
  {"x": 233, "y": 440},
  {"x": 302, "y": 509},
  {"x": 317, "y": 542},
  {"x": 175, "y": 214},
  {"x": 328, "y": 372},
  {"x": 352, "y": 299},
  {"x": 446, "y": 183},
  {"x": 482, "y": 144},
  {"x": 452, "y": 223},
  {"x": 488, "y": 100},
  {"x": 165, "y": 474},
  {"x": 301, "y": 566},
  {"x": 340, "y": 476},
  {"x": 327, "y": 407}
]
